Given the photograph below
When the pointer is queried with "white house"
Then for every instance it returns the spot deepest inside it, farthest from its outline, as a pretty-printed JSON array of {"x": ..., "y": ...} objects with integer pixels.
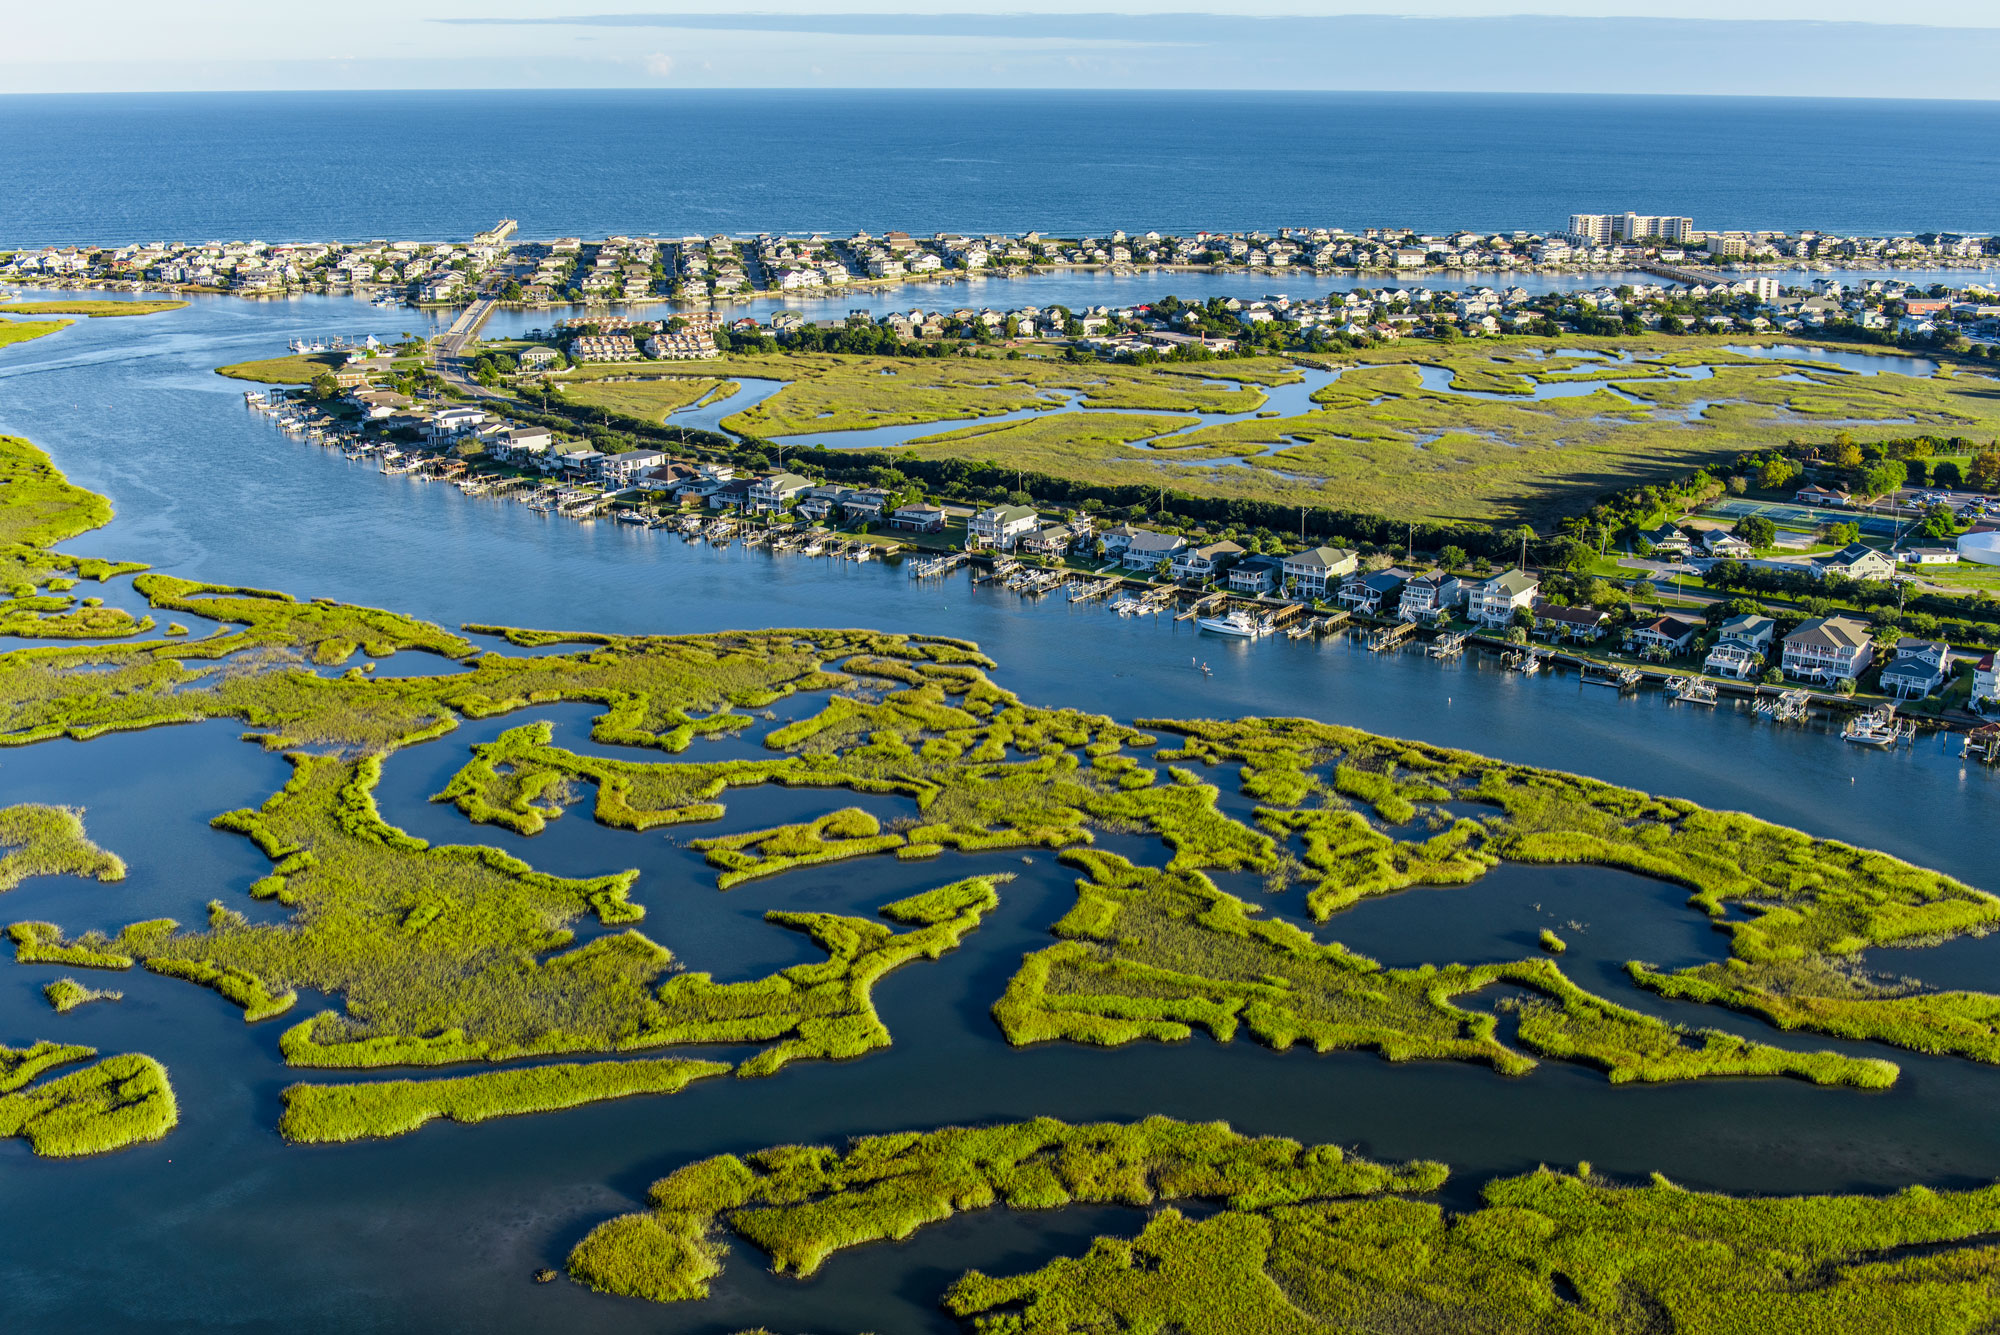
[
  {"x": 1255, "y": 575},
  {"x": 776, "y": 491},
  {"x": 1144, "y": 550},
  {"x": 1986, "y": 679},
  {"x": 1200, "y": 563},
  {"x": 1665, "y": 636},
  {"x": 1827, "y": 649},
  {"x": 1370, "y": 594},
  {"x": 623, "y": 468},
  {"x": 1317, "y": 570},
  {"x": 1428, "y": 599},
  {"x": 1856, "y": 561},
  {"x": 1742, "y": 643},
  {"x": 1000, "y": 527},
  {"x": 1918, "y": 669},
  {"x": 1493, "y": 603}
]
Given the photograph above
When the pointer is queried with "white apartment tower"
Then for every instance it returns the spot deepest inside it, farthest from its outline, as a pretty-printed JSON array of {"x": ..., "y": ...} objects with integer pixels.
[{"x": 1601, "y": 229}]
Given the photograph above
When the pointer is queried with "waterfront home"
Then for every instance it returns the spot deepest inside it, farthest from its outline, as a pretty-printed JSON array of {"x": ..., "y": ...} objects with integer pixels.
[
  {"x": 817, "y": 505},
  {"x": 1918, "y": 669},
  {"x": 1722, "y": 545},
  {"x": 1494, "y": 602},
  {"x": 603, "y": 348},
  {"x": 1930, "y": 556},
  {"x": 1741, "y": 645},
  {"x": 1313, "y": 573},
  {"x": 376, "y": 404},
  {"x": 1827, "y": 649},
  {"x": 776, "y": 491},
  {"x": 1147, "y": 549},
  {"x": 535, "y": 359},
  {"x": 1202, "y": 563},
  {"x": 668, "y": 477},
  {"x": 1821, "y": 496},
  {"x": 1255, "y": 575},
  {"x": 1117, "y": 538},
  {"x": 456, "y": 421},
  {"x": 1000, "y": 527},
  {"x": 1428, "y": 599},
  {"x": 864, "y": 504},
  {"x": 1666, "y": 538},
  {"x": 623, "y": 468},
  {"x": 1051, "y": 540},
  {"x": 579, "y": 463},
  {"x": 1664, "y": 637},
  {"x": 523, "y": 442},
  {"x": 1579, "y": 624},
  {"x": 731, "y": 495},
  {"x": 1985, "y": 680},
  {"x": 1368, "y": 594},
  {"x": 1856, "y": 561},
  {"x": 922, "y": 517},
  {"x": 707, "y": 479}
]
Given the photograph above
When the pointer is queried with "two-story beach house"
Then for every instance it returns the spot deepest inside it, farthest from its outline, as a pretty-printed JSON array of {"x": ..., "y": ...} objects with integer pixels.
[
  {"x": 1145, "y": 550},
  {"x": 776, "y": 491},
  {"x": 1742, "y": 644},
  {"x": 999, "y": 527},
  {"x": 1196, "y": 564},
  {"x": 1429, "y": 599},
  {"x": 1493, "y": 603},
  {"x": 1827, "y": 649},
  {"x": 1919, "y": 668},
  {"x": 1317, "y": 571}
]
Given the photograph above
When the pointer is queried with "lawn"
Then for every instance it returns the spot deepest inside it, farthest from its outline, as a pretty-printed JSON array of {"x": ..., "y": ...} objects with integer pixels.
[
  {"x": 297, "y": 369},
  {"x": 652, "y": 398}
]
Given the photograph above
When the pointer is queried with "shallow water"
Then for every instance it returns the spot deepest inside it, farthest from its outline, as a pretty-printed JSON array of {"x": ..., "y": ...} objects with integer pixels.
[{"x": 222, "y": 1224}]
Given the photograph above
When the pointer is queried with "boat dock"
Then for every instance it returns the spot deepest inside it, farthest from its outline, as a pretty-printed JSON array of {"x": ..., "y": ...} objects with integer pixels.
[{"x": 1390, "y": 637}]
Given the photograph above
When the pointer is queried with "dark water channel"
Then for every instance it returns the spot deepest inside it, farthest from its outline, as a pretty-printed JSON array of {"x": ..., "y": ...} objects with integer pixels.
[{"x": 220, "y": 1226}]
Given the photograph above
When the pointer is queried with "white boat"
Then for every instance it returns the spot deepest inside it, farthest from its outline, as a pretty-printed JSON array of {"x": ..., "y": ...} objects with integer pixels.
[
  {"x": 1238, "y": 623},
  {"x": 1875, "y": 728}
]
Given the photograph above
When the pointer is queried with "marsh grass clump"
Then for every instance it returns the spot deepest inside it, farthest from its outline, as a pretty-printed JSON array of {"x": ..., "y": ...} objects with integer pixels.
[
  {"x": 800, "y": 1204},
  {"x": 49, "y": 841},
  {"x": 1552, "y": 943},
  {"x": 119, "y": 1101},
  {"x": 1547, "y": 1253},
  {"x": 66, "y": 994},
  {"x": 1154, "y": 954},
  {"x": 325, "y": 1114}
]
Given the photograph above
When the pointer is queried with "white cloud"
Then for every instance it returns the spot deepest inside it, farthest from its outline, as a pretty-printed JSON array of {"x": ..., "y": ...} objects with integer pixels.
[{"x": 660, "y": 66}]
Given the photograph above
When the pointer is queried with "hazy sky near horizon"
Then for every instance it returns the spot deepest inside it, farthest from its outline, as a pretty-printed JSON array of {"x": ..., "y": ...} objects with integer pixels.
[{"x": 1947, "y": 48}]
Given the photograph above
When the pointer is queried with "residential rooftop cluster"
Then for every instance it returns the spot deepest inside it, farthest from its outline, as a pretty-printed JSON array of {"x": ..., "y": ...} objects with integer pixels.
[{"x": 724, "y": 266}]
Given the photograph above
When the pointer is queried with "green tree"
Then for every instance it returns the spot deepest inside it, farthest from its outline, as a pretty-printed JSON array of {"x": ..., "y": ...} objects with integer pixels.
[
  {"x": 1940, "y": 523},
  {"x": 1756, "y": 530},
  {"x": 1882, "y": 477},
  {"x": 1984, "y": 471},
  {"x": 323, "y": 386},
  {"x": 1452, "y": 557}
]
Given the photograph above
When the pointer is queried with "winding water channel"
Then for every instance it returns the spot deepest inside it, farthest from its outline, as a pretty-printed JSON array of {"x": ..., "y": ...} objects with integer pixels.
[{"x": 222, "y": 1225}]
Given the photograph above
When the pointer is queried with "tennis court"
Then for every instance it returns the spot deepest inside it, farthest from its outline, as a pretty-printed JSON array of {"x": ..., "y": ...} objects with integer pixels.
[{"x": 1805, "y": 516}]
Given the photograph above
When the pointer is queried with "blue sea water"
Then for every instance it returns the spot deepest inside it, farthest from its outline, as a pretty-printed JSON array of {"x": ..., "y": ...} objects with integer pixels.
[{"x": 353, "y": 166}]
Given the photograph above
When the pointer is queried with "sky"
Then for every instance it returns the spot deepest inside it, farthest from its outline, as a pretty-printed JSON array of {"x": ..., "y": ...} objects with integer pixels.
[{"x": 1844, "y": 48}]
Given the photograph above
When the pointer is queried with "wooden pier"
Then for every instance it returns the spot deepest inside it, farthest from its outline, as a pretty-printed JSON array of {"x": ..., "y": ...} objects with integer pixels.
[{"x": 1390, "y": 637}]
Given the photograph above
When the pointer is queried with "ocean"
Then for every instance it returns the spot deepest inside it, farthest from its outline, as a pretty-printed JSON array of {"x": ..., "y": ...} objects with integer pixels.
[{"x": 355, "y": 166}]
